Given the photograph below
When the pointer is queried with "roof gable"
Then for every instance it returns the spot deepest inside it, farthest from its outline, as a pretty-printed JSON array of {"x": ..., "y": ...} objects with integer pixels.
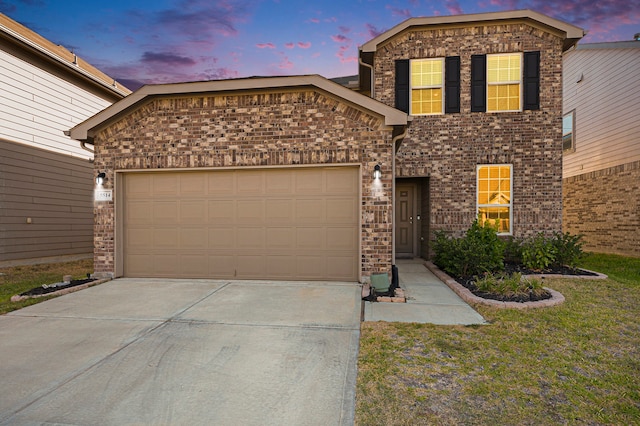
[
  {"x": 87, "y": 129},
  {"x": 570, "y": 33}
]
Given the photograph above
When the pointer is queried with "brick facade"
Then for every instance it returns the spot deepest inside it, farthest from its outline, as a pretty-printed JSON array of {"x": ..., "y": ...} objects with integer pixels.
[
  {"x": 274, "y": 128},
  {"x": 447, "y": 148},
  {"x": 603, "y": 206}
]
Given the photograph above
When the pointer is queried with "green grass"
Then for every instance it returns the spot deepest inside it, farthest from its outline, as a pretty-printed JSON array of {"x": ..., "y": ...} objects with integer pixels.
[
  {"x": 18, "y": 279},
  {"x": 577, "y": 363}
]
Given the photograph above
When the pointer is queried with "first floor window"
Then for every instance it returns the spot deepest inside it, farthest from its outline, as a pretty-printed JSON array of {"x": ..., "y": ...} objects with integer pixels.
[{"x": 494, "y": 201}]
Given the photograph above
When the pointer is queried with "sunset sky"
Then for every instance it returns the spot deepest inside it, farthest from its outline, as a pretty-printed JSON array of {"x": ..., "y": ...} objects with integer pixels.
[{"x": 163, "y": 41}]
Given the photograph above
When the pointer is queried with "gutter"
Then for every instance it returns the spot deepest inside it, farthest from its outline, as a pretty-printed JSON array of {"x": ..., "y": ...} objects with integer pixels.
[{"x": 73, "y": 66}]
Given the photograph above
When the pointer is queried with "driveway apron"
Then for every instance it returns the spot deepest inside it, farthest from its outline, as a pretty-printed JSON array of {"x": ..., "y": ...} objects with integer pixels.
[{"x": 151, "y": 351}]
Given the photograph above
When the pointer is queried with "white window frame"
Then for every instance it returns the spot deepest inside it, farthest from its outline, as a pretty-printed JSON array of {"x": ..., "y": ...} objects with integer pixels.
[
  {"x": 411, "y": 87},
  {"x": 519, "y": 82},
  {"x": 510, "y": 205}
]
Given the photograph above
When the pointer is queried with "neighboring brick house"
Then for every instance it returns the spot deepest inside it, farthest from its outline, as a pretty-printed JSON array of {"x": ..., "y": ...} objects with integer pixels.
[
  {"x": 602, "y": 146},
  {"x": 301, "y": 178},
  {"x": 46, "y": 188}
]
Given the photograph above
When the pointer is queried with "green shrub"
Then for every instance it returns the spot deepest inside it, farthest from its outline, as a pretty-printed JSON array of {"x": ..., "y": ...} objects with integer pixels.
[
  {"x": 479, "y": 251},
  {"x": 509, "y": 285},
  {"x": 568, "y": 249},
  {"x": 513, "y": 250},
  {"x": 538, "y": 253}
]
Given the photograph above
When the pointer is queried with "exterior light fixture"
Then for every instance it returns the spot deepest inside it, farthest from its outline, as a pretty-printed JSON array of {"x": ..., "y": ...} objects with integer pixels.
[
  {"x": 377, "y": 173},
  {"x": 101, "y": 178}
]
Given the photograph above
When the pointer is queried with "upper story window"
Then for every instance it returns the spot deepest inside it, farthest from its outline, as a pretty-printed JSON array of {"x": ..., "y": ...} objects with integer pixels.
[
  {"x": 505, "y": 82},
  {"x": 427, "y": 86},
  {"x": 568, "y": 131},
  {"x": 504, "y": 74}
]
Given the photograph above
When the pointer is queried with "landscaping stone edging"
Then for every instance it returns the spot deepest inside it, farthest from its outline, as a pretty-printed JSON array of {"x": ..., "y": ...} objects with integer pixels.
[
  {"x": 469, "y": 297},
  {"x": 18, "y": 298}
]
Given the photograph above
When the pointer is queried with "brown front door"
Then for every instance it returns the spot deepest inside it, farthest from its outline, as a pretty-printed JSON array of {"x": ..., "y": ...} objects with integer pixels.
[{"x": 405, "y": 220}]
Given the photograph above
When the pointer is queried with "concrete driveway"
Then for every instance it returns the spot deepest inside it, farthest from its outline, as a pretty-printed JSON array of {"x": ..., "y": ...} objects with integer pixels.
[{"x": 151, "y": 351}]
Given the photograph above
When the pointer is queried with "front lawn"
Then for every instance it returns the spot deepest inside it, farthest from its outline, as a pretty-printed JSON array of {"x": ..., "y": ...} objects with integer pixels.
[
  {"x": 577, "y": 363},
  {"x": 18, "y": 279}
]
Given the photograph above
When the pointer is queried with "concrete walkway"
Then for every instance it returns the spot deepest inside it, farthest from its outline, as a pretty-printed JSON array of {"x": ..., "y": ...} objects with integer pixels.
[{"x": 429, "y": 300}]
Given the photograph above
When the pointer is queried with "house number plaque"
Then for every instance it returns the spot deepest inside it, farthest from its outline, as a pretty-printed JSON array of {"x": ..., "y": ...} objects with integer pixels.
[{"x": 103, "y": 195}]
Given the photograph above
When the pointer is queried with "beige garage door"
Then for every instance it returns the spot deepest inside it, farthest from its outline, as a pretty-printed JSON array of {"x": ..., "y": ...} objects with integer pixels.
[{"x": 290, "y": 224}]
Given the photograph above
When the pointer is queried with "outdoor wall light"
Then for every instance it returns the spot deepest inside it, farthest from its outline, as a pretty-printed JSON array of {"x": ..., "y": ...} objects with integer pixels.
[
  {"x": 101, "y": 178},
  {"x": 377, "y": 173}
]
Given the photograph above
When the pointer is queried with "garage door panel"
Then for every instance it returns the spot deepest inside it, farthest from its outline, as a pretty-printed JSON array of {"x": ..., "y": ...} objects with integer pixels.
[
  {"x": 165, "y": 238},
  {"x": 221, "y": 183},
  {"x": 344, "y": 210},
  {"x": 221, "y": 238},
  {"x": 138, "y": 212},
  {"x": 250, "y": 183},
  {"x": 280, "y": 238},
  {"x": 341, "y": 267},
  {"x": 243, "y": 224},
  {"x": 279, "y": 211},
  {"x": 310, "y": 238},
  {"x": 221, "y": 212},
  {"x": 194, "y": 212},
  {"x": 194, "y": 184},
  {"x": 310, "y": 211},
  {"x": 165, "y": 185},
  {"x": 221, "y": 265},
  {"x": 279, "y": 183},
  {"x": 194, "y": 238},
  {"x": 165, "y": 213},
  {"x": 341, "y": 239},
  {"x": 250, "y": 211}
]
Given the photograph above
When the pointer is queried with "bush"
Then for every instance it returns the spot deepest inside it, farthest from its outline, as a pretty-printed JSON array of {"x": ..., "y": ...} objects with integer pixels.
[
  {"x": 568, "y": 249},
  {"x": 509, "y": 286},
  {"x": 538, "y": 253},
  {"x": 513, "y": 250},
  {"x": 479, "y": 251}
]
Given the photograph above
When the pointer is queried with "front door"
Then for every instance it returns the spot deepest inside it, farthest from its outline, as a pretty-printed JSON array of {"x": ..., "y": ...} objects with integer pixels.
[{"x": 405, "y": 220}]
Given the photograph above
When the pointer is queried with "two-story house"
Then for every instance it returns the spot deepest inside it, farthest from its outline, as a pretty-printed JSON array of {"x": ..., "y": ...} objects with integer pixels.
[
  {"x": 601, "y": 134},
  {"x": 46, "y": 194},
  {"x": 300, "y": 178}
]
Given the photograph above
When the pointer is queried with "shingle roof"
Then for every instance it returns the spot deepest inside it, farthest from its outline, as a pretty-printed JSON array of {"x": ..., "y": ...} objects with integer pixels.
[{"x": 19, "y": 34}]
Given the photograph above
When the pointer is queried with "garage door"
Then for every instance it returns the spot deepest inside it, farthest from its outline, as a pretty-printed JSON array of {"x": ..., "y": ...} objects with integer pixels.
[{"x": 291, "y": 224}]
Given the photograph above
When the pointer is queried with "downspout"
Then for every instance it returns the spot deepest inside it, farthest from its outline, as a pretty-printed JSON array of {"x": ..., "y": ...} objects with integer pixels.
[
  {"x": 396, "y": 141},
  {"x": 361, "y": 62}
]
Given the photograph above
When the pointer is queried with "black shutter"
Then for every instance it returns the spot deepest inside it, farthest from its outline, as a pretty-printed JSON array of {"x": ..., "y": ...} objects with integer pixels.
[
  {"x": 531, "y": 80},
  {"x": 402, "y": 85},
  {"x": 478, "y": 83},
  {"x": 452, "y": 84}
]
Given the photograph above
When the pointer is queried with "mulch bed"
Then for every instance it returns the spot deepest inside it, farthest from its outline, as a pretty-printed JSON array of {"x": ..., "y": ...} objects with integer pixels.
[
  {"x": 39, "y": 291},
  {"x": 510, "y": 268}
]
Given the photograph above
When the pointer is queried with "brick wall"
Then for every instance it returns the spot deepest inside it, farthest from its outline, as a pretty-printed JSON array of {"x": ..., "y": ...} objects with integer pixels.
[
  {"x": 447, "y": 148},
  {"x": 603, "y": 206},
  {"x": 241, "y": 130}
]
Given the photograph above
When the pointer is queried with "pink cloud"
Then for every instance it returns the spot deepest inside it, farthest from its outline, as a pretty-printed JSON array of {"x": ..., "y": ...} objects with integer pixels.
[
  {"x": 339, "y": 38},
  {"x": 405, "y": 13},
  {"x": 289, "y": 45},
  {"x": 304, "y": 45},
  {"x": 285, "y": 63},
  {"x": 265, "y": 46},
  {"x": 314, "y": 20},
  {"x": 373, "y": 31},
  {"x": 343, "y": 55},
  {"x": 344, "y": 30},
  {"x": 453, "y": 7}
]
